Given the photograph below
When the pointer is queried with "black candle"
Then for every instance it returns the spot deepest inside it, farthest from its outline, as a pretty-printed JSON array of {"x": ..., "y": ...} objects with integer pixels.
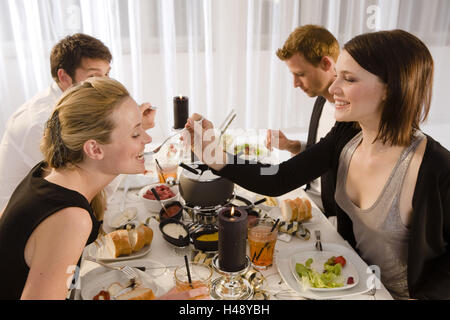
[
  {"x": 180, "y": 111},
  {"x": 232, "y": 239}
]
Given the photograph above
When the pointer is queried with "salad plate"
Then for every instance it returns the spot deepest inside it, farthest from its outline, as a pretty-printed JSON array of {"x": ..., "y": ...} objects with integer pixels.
[
  {"x": 316, "y": 275},
  {"x": 363, "y": 285}
]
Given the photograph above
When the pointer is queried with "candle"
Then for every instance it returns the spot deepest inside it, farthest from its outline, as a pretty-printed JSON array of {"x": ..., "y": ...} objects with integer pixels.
[
  {"x": 180, "y": 111},
  {"x": 232, "y": 239}
]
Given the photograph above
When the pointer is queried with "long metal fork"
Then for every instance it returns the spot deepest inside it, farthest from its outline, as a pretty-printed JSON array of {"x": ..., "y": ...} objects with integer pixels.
[
  {"x": 156, "y": 150},
  {"x": 127, "y": 270}
]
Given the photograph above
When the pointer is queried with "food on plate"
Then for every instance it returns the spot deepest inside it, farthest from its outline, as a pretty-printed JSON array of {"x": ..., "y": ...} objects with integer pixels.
[
  {"x": 270, "y": 201},
  {"x": 117, "y": 291},
  {"x": 163, "y": 192},
  {"x": 124, "y": 242},
  {"x": 174, "y": 230},
  {"x": 330, "y": 277},
  {"x": 140, "y": 236},
  {"x": 248, "y": 149},
  {"x": 296, "y": 210}
]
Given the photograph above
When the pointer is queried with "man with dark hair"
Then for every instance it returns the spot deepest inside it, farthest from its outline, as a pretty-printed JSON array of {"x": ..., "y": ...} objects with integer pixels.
[
  {"x": 74, "y": 59},
  {"x": 310, "y": 53}
]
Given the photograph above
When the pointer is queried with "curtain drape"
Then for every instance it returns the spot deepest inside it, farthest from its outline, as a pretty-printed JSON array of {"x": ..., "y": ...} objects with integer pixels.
[{"x": 221, "y": 54}]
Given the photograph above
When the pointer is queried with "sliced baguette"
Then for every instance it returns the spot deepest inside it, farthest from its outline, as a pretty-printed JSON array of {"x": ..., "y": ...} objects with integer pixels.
[{"x": 118, "y": 243}]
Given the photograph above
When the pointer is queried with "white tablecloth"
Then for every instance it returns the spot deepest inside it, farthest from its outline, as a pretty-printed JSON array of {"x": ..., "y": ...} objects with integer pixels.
[{"x": 161, "y": 251}]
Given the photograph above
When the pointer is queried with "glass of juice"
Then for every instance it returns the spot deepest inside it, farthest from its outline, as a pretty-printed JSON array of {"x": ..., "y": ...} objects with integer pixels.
[
  {"x": 262, "y": 240},
  {"x": 200, "y": 273}
]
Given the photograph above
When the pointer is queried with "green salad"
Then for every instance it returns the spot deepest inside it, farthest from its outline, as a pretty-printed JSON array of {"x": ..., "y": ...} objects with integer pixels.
[{"x": 329, "y": 278}]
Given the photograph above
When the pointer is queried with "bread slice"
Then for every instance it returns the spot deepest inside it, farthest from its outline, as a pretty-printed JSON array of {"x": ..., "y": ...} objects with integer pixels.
[
  {"x": 296, "y": 210},
  {"x": 118, "y": 243},
  {"x": 140, "y": 236},
  {"x": 138, "y": 293}
]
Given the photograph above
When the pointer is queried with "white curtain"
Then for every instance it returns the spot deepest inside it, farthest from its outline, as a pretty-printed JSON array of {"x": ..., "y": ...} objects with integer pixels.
[{"x": 219, "y": 53}]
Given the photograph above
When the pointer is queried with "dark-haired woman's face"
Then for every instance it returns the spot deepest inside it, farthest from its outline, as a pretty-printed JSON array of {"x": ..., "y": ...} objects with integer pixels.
[{"x": 358, "y": 94}]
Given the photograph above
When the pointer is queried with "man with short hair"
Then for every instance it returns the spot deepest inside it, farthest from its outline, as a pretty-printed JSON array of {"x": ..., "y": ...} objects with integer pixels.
[
  {"x": 310, "y": 53},
  {"x": 74, "y": 59}
]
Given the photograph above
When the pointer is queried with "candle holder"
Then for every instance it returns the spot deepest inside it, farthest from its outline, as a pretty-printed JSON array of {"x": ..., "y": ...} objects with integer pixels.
[{"x": 231, "y": 285}]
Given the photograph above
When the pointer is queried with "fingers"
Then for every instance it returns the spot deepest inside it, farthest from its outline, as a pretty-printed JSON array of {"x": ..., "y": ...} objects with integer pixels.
[
  {"x": 148, "y": 115},
  {"x": 269, "y": 140},
  {"x": 174, "y": 294}
]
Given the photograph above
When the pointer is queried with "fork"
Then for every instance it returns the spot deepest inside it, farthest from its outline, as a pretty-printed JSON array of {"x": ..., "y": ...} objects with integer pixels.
[
  {"x": 318, "y": 242},
  {"x": 127, "y": 270},
  {"x": 157, "y": 149}
]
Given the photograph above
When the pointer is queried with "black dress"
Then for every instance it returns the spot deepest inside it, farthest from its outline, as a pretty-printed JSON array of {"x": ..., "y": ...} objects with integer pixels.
[{"x": 34, "y": 200}]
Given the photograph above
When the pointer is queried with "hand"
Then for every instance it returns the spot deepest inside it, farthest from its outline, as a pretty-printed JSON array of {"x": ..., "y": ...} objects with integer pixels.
[
  {"x": 201, "y": 293},
  {"x": 277, "y": 139},
  {"x": 148, "y": 115},
  {"x": 201, "y": 137}
]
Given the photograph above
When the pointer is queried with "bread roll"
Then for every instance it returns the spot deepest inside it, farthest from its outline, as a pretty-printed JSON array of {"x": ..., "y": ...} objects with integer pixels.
[
  {"x": 118, "y": 243},
  {"x": 296, "y": 210}
]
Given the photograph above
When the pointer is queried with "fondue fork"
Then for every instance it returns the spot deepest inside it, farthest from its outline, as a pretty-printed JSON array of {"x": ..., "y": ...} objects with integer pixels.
[{"x": 156, "y": 150}]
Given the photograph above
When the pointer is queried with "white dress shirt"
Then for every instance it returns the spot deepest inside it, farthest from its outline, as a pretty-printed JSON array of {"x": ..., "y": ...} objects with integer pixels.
[
  {"x": 20, "y": 145},
  {"x": 326, "y": 122}
]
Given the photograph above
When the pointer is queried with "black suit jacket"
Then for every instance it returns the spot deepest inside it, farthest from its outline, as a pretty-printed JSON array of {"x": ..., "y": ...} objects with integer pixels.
[{"x": 327, "y": 180}]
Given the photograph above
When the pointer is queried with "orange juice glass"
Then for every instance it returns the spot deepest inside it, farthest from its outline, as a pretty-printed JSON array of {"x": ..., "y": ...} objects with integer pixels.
[
  {"x": 168, "y": 171},
  {"x": 201, "y": 275},
  {"x": 262, "y": 243}
]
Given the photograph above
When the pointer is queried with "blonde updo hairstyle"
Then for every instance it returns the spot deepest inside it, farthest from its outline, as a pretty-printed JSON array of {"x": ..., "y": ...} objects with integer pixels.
[{"x": 83, "y": 113}]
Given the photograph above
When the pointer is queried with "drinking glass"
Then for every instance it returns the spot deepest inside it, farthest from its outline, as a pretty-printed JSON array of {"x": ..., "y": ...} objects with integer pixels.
[
  {"x": 200, "y": 274},
  {"x": 261, "y": 240}
]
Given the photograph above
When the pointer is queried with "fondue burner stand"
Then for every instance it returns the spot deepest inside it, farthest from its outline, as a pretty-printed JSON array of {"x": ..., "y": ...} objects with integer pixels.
[
  {"x": 208, "y": 216},
  {"x": 231, "y": 285}
]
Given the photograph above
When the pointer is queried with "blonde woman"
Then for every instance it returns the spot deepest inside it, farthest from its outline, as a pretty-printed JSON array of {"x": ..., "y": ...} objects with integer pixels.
[{"x": 94, "y": 134}]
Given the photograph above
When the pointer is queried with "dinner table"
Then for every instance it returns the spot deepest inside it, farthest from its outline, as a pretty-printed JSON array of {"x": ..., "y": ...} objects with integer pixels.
[{"x": 277, "y": 282}]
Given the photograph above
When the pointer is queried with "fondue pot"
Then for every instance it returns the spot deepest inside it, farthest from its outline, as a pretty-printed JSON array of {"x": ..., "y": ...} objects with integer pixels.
[{"x": 200, "y": 187}]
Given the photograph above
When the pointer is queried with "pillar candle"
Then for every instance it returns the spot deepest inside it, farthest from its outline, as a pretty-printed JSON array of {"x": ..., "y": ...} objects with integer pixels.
[
  {"x": 180, "y": 111},
  {"x": 232, "y": 239}
]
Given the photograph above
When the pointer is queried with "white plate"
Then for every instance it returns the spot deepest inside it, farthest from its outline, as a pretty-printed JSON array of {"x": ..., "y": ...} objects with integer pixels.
[
  {"x": 93, "y": 283},
  {"x": 283, "y": 258},
  {"x": 319, "y": 258},
  {"x": 112, "y": 218},
  {"x": 98, "y": 251}
]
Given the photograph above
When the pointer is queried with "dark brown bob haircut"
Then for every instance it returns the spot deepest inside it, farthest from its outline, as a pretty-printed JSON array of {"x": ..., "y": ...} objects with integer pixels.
[
  {"x": 69, "y": 52},
  {"x": 405, "y": 65}
]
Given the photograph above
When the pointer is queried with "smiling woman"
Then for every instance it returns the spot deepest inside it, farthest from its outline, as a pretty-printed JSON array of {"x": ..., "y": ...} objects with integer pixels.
[
  {"x": 390, "y": 181},
  {"x": 94, "y": 134}
]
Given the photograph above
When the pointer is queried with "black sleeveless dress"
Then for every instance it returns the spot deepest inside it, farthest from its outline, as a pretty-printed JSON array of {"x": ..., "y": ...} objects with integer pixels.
[{"x": 34, "y": 200}]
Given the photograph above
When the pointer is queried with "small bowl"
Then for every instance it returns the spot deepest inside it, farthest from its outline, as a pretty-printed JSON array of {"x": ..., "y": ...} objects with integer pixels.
[
  {"x": 154, "y": 205},
  {"x": 212, "y": 245},
  {"x": 180, "y": 241},
  {"x": 177, "y": 215}
]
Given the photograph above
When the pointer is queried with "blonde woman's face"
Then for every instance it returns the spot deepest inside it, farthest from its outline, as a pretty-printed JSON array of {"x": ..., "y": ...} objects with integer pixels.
[{"x": 124, "y": 155}]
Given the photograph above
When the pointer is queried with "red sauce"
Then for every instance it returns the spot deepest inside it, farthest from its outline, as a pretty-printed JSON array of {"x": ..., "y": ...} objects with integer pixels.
[
  {"x": 172, "y": 210},
  {"x": 163, "y": 192}
]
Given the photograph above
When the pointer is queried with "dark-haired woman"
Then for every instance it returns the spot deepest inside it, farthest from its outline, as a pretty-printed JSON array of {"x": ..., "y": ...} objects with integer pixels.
[{"x": 391, "y": 192}]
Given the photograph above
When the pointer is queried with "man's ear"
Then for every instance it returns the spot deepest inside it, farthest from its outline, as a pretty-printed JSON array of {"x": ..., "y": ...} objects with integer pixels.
[
  {"x": 326, "y": 63},
  {"x": 93, "y": 150},
  {"x": 64, "y": 79}
]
